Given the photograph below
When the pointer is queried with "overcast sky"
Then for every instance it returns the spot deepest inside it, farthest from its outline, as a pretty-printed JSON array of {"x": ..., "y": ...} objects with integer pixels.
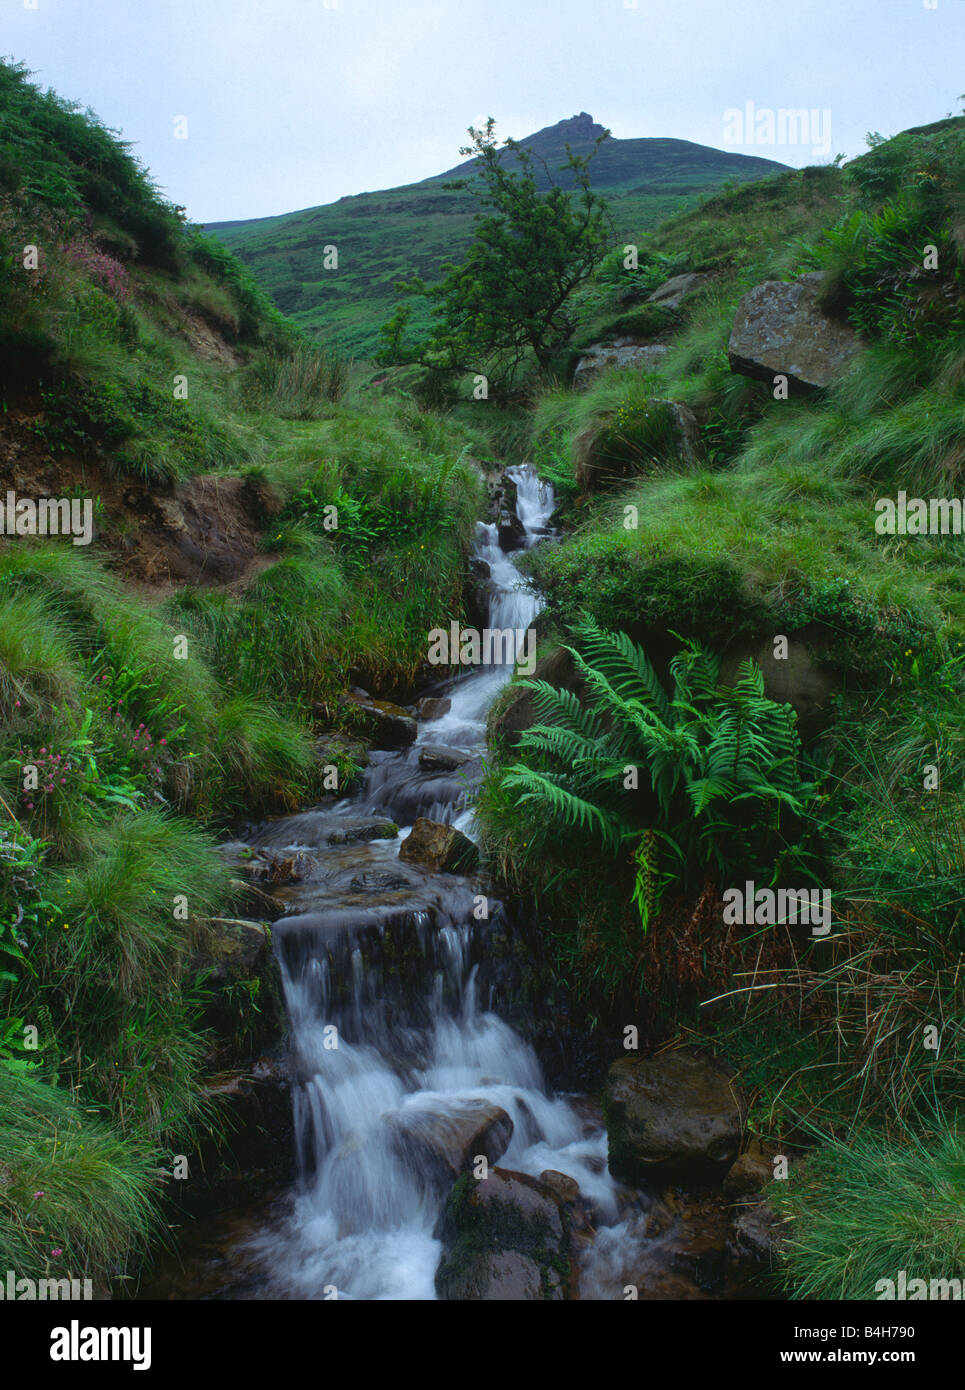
[{"x": 290, "y": 103}]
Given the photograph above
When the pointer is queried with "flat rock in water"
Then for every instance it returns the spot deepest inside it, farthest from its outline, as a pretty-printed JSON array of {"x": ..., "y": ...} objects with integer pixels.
[
  {"x": 318, "y": 829},
  {"x": 274, "y": 869},
  {"x": 360, "y": 831},
  {"x": 434, "y": 758},
  {"x": 388, "y": 726},
  {"x": 670, "y": 1116},
  {"x": 433, "y": 707}
]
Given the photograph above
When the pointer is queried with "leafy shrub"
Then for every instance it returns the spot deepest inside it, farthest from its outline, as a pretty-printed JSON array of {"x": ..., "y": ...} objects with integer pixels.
[{"x": 873, "y": 266}]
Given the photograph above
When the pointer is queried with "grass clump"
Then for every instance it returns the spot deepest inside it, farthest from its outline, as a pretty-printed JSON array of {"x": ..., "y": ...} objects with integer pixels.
[
  {"x": 76, "y": 1199},
  {"x": 867, "y": 1211}
]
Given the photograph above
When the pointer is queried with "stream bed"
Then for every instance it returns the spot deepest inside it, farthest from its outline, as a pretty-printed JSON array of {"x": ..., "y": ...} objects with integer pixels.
[{"x": 400, "y": 1068}]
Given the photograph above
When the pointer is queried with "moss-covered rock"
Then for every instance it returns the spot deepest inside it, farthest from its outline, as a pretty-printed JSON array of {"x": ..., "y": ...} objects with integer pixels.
[{"x": 505, "y": 1236}]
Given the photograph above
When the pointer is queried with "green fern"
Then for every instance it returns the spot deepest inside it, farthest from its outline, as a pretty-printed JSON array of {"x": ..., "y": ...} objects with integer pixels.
[{"x": 717, "y": 768}]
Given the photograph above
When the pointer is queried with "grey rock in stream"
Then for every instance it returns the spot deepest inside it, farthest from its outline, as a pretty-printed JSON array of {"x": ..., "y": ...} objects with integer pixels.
[
  {"x": 318, "y": 829},
  {"x": 434, "y": 758},
  {"x": 385, "y": 724},
  {"x": 756, "y": 1241},
  {"x": 441, "y": 1144},
  {"x": 433, "y": 707},
  {"x": 671, "y": 1116},
  {"x": 504, "y": 1237}
]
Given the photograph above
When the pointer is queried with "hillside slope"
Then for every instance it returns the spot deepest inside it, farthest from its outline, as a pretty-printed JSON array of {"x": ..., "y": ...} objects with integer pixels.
[
  {"x": 180, "y": 667},
  {"x": 387, "y": 236},
  {"x": 712, "y": 518}
]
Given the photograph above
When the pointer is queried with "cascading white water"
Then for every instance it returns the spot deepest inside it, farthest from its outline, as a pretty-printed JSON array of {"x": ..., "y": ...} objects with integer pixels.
[{"x": 363, "y": 1216}]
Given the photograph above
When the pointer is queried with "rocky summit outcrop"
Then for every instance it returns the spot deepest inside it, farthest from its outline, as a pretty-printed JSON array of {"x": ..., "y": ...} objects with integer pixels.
[
  {"x": 671, "y": 1116},
  {"x": 624, "y": 353},
  {"x": 441, "y": 1144},
  {"x": 780, "y": 329},
  {"x": 504, "y": 1237},
  {"x": 441, "y": 848}
]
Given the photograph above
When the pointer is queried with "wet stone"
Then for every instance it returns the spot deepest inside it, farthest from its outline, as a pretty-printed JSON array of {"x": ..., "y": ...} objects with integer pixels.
[{"x": 434, "y": 758}]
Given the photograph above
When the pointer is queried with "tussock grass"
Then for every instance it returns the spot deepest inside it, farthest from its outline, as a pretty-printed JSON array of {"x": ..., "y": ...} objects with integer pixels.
[
  {"x": 865, "y": 1210},
  {"x": 71, "y": 1184},
  {"x": 261, "y": 755},
  {"x": 119, "y": 902},
  {"x": 38, "y": 663}
]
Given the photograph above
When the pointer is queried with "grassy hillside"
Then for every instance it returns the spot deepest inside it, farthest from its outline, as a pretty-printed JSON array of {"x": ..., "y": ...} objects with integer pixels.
[
  {"x": 388, "y": 236},
  {"x": 770, "y": 531},
  {"x": 178, "y": 672}
]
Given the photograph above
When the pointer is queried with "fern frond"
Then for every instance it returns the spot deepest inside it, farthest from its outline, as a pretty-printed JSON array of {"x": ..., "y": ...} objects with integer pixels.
[
  {"x": 626, "y": 665},
  {"x": 573, "y": 811}
]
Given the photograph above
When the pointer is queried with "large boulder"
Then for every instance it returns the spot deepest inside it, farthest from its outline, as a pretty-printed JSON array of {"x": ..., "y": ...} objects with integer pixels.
[
  {"x": 674, "y": 291},
  {"x": 645, "y": 357},
  {"x": 504, "y": 1237},
  {"x": 781, "y": 329},
  {"x": 441, "y": 848},
  {"x": 441, "y": 1144},
  {"x": 669, "y": 1117}
]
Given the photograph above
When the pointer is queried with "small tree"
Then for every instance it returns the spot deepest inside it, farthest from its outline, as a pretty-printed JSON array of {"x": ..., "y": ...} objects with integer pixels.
[{"x": 512, "y": 294}]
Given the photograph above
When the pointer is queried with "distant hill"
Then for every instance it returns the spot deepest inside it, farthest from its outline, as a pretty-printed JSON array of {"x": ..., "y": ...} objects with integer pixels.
[{"x": 386, "y": 236}]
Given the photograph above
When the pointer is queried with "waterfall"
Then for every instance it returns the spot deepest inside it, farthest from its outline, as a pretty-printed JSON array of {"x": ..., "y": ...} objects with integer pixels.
[{"x": 389, "y": 1033}]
